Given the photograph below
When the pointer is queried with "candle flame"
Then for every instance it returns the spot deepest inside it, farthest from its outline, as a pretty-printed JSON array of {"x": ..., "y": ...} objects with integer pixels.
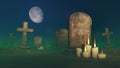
[
  {"x": 88, "y": 39},
  {"x": 94, "y": 42},
  {"x": 85, "y": 46}
]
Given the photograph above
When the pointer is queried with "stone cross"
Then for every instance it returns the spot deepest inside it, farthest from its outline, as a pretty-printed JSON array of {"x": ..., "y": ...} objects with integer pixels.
[
  {"x": 25, "y": 29},
  {"x": 107, "y": 34}
]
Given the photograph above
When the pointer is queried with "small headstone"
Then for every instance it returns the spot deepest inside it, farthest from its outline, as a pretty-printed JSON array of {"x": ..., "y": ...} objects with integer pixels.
[
  {"x": 37, "y": 41},
  {"x": 62, "y": 38}
]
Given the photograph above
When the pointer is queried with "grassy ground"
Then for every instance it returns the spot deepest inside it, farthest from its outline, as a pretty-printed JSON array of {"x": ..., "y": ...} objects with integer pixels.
[{"x": 21, "y": 58}]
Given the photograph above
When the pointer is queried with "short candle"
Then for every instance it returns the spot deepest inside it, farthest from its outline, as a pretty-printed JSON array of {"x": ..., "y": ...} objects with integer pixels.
[
  {"x": 102, "y": 55},
  {"x": 78, "y": 52},
  {"x": 85, "y": 53},
  {"x": 95, "y": 50}
]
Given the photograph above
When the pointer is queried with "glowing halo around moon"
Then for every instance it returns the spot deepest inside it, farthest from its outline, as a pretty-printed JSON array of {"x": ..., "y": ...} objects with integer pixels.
[{"x": 36, "y": 14}]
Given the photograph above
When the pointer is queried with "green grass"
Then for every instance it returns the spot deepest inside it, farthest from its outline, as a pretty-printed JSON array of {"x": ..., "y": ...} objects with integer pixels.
[{"x": 27, "y": 58}]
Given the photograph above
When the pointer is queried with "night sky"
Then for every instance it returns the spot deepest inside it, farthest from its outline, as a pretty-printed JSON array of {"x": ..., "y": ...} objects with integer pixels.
[{"x": 104, "y": 13}]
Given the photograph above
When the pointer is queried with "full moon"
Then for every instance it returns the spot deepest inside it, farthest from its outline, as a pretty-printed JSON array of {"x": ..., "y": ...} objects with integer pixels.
[{"x": 36, "y": 14}]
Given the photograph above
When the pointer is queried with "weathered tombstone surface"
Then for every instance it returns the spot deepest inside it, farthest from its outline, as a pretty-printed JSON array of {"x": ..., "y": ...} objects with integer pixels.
[
  {"x": 62, "y": 38},
  {"x": 79, "y": 28}
]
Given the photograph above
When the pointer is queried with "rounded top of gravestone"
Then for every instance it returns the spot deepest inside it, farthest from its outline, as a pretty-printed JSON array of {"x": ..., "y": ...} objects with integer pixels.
[
  {"x": 63, "y": 30},
  {"x": 37, "y": 39},
  {"x": 80, "y": 17}
]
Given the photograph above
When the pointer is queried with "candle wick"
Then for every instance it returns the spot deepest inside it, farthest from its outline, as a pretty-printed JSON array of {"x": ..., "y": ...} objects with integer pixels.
[
  {"x": 85, "y": 46},
  {"x": 102, "y": 52},
  {"x": 94, "y": 42}
]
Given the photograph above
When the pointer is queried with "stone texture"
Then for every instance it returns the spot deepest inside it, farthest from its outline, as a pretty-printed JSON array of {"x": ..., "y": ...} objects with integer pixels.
[
  {"x": 79, "y": 28},
  {"x": 62, "y": 38}
]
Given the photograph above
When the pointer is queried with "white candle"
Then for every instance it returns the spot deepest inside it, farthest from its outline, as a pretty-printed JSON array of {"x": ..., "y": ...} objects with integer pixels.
[
  {"x": 78, "y": 52},
  {"x": 95, "y": 50},
  {"x": 88, "y": 47},
  {"x": 102, "y": 55},
  {"x": 85, "y": 53}
]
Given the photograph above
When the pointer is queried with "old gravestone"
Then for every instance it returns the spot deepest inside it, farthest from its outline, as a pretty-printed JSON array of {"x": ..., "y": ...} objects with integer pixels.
[
  {"x": 62, "y": 38},
  {"x": 38, "y": 42},
  {"x": 79, "y": 28}
]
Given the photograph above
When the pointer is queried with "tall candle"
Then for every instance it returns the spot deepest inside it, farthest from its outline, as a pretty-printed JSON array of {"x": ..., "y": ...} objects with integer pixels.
[
  {"x": 88, "y": 46},
  {"x": 102, "y": 55},
  {"x": 78, "y": 52},
  {"x": 95, "y": 50},
  {"x": 85, "y": 53}
]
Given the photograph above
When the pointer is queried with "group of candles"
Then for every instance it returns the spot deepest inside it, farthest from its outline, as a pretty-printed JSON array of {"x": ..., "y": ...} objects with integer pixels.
[{"x": 89, "y": 51}]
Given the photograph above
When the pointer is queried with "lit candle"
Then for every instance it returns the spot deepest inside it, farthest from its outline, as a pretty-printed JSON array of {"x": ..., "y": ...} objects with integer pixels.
[
  {"x": 88, "y": 46},
  {"x": 88, "y": 39},
  {"x": 102, "y": 55},
  {"x": 94, "y": 42},
  {"x": 95, "y": 50},
  {"x": 85, "y": 53},
  {"x": 85, "y": 46},
  {"x": 78, "y": 52}
]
